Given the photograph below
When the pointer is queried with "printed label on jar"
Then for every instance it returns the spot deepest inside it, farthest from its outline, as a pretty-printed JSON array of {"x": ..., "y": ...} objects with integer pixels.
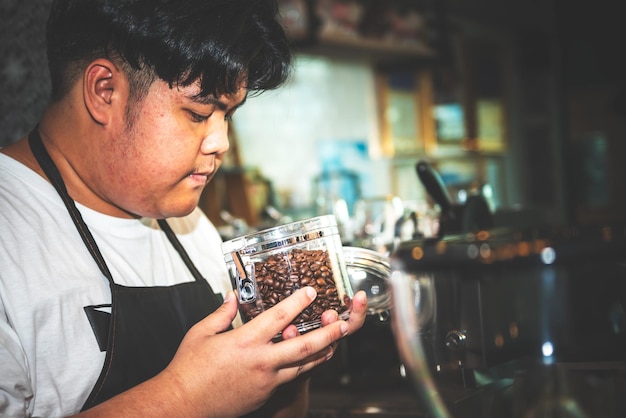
[{"x": 293, "y": 240}]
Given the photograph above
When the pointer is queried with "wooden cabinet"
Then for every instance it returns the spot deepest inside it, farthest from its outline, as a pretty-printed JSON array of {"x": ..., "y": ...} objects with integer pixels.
[{"x": 453, "y": 114}]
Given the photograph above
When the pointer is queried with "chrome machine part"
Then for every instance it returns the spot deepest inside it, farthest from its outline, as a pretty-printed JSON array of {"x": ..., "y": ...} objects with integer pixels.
[{"x": 410, "y": 311}]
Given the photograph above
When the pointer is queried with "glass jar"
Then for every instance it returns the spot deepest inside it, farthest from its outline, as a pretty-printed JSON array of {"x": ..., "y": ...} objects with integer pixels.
[
  {"x": 267, "y": 266},
  {"x": 370, "y": 271}
]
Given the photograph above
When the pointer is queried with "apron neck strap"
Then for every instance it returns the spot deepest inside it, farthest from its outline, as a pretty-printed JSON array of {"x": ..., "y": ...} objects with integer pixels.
[
  {"x": 51, "y": 171},
  {"x": 180, "y": 249}
]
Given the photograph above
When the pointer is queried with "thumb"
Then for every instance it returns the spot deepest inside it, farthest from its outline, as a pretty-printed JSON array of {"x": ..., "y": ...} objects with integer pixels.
[{"x": 222, "y": 318}]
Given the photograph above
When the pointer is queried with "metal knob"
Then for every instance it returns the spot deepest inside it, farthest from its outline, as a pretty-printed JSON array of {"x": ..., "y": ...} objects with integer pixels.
[{"x": 455, "y": 340}]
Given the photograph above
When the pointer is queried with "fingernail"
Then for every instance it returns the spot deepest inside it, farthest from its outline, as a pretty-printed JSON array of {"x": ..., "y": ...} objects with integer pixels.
[
  {"x": 344, "y": 328},
  {"x": 290, "y": 333},
  {"x": 310, "y": 292},
  {"x": 330, "y": 353},
  {"x": 229, "y": 296}
]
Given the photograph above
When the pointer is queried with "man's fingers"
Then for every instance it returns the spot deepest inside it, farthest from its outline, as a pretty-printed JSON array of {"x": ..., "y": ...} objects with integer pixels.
[
  {"x": 359, "y": 304},
  {"x": 358, "y": 312},
  {"x": 309, "y": 350},
  {"x": 329, "y": 316},
  {"x": 290, "y": 332},
  {"x": 222, "y": 318},
  {"x": 306, "y": 365},
  {"x": 277, "y": 318}
]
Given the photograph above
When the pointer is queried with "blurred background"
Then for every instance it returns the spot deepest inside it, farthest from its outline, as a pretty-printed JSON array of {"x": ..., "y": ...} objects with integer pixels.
[
  {"x": 521, "y": 101},
  {"x": 399, "y": 113}
]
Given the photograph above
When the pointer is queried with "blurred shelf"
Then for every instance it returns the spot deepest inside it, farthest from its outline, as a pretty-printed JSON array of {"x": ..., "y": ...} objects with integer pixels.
[
  {"x": 402, "y": 48},
  {"x": 393, "y": 33},
  {"x": 378, "y": 52}
]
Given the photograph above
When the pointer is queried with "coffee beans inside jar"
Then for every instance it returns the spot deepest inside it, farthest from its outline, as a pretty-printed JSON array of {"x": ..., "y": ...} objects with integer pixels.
[
  {"x": 267, "y": 266},
  {"x": 281, "y": 274}
]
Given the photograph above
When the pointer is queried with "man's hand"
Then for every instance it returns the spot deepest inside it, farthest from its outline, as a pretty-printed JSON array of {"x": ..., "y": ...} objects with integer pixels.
[{"x": 219, "y": 373}]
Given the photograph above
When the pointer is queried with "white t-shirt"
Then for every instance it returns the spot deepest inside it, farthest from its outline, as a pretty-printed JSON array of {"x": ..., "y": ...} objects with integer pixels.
[{"x": 49, "y": 356}]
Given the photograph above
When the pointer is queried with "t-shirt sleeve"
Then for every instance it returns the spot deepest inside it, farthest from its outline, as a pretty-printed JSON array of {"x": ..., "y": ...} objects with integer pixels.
[{"x": 15, "y": 388}]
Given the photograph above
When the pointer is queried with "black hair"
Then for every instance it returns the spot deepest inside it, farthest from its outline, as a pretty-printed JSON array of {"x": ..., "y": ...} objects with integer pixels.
[{"x": 215, "y": 42}]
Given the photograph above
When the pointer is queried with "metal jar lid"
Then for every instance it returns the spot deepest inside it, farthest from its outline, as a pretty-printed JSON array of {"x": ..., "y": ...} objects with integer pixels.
[
  {"x": 370, "y": 271},
  {"x": 283, "y": 236}
]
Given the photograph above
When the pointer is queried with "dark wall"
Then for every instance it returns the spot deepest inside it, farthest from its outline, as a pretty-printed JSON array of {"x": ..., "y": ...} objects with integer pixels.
[
  {"x": 592, "y": 35},
  {"x": 24, "y": 82}
]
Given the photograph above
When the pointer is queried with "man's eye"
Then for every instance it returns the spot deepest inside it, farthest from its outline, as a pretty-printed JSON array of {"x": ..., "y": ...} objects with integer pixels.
[{"x": 198, "y": 118}]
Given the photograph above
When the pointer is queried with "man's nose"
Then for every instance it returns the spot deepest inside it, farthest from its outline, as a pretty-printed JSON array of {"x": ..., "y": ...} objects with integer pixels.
[{"x": 216, "y": 142}]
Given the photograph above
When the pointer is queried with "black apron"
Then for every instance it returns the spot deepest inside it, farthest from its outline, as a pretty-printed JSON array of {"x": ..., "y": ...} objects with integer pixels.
[{"x": 146, "y": 324}]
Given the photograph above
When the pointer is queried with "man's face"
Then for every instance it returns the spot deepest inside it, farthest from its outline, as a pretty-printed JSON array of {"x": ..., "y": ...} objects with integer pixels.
[{"x": 158, "y": 163}]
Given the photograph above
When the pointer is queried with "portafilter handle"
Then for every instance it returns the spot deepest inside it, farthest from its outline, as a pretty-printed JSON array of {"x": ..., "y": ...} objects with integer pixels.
[{"x": 433, "y": 183}]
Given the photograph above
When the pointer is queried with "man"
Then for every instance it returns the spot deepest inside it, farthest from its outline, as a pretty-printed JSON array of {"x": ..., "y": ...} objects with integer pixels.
[{"x": 114, "y": 297}]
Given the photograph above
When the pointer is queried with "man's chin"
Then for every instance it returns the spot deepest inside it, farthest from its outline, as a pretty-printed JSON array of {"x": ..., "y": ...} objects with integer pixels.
[
  {"x": 178, "y": 212},
  {"x": 174, "y": 209}
]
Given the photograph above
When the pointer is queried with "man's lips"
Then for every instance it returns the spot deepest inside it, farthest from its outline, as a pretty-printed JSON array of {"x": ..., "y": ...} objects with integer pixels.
[
  {"x": 203, "y": 174},
  {"x": 200, "y": 177}
]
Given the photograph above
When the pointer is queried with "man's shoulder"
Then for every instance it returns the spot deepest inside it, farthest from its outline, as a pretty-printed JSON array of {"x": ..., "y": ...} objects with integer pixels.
[
  {"x": 20, "y": 182},
  {"x": 25, "y": 197}
]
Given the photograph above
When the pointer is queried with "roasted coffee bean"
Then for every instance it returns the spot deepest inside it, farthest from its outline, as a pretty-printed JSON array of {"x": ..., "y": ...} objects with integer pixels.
[{"x": 281, "y": 274}]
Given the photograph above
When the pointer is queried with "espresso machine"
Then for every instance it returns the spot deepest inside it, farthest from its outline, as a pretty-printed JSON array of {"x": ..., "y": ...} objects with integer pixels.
[
  {"x": 511, "y": 322},
  {"x": 526, "y": 322},
  {"x": 491, "y": 322}
]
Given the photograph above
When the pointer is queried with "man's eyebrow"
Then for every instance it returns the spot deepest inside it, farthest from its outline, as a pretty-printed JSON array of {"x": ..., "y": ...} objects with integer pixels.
[{"x": 210, "y": 100}]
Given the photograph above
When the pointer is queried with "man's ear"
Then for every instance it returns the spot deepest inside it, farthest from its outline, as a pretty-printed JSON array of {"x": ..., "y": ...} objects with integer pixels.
[{"x": 102, "y": 85}]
